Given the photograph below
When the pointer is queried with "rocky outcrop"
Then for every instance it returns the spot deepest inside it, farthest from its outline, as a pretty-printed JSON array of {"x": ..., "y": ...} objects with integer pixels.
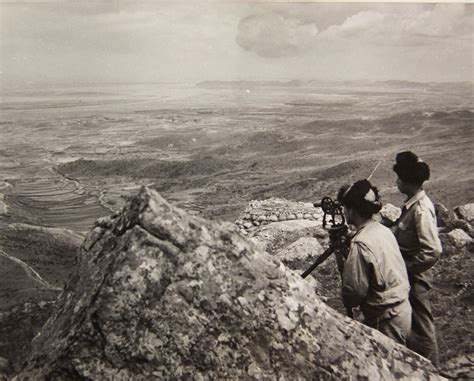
[
  {"x": 302, "y": 250},
  {"x": 458, "y": 238},
  {"x": 276, "y": 236},
  {"x": 455, "y": 228},
  {"x": 163, "y": 295},
  {"x": 466, "y": 212},
  {"x": 448, "y": 220},
  {"x": 389, "y": 214},
  {"x": 460, "y": 368},
  {"x": 446, "y": 217},
  {"x": 455, "y": 242}
]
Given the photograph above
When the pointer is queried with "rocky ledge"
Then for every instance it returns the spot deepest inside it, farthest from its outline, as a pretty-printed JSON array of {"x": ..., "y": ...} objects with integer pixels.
[{"x": 160, "y": 294}]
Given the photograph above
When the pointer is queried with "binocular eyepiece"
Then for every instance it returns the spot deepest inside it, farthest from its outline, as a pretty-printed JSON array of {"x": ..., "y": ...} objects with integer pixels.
[
  {"x": 328, "y": 205},
  {"x": 337, "y": 233},
  {"x": 332, "y": 209}
]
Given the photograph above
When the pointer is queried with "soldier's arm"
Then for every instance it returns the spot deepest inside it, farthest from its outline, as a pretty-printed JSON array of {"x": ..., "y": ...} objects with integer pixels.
[
  {"x": 430, "y": 245},
  {"x": 355, "y": 278}
]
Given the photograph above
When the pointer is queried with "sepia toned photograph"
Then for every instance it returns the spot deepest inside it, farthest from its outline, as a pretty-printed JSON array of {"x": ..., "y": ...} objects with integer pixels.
[{"x": 236, "y": 190}]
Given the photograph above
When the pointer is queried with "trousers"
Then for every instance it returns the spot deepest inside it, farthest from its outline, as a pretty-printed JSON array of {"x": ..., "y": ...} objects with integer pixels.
[
  {"x": 422, "y": 339},
  {"x": 395, "y": 322}
]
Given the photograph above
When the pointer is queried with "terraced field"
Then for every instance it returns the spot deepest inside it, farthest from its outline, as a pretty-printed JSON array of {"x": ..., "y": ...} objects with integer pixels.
[{"x": 53, "y": 202}]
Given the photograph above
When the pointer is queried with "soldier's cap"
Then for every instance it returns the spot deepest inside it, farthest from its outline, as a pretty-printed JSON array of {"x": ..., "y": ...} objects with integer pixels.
[
  {"x": 410, "y": 168},
  {"x": 361, "y": 195}
]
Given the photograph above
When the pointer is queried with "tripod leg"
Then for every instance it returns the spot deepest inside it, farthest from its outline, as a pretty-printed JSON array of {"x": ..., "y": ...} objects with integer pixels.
[
  {"x": 318, "y": 261},
  {"x": 340, "y": 262}
]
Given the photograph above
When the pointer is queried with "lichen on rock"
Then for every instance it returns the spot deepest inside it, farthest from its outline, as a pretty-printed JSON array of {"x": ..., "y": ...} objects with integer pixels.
[{"x": 160, "y": 294}]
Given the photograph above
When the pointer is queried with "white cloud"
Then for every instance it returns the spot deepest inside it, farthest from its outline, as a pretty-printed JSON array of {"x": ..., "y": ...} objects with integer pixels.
[
  {"x": 274, "y": 35},
  {"x": 362, "y": 22},
  {"x": 444, "y": 20},
  {"x": 405, "y": 26}
]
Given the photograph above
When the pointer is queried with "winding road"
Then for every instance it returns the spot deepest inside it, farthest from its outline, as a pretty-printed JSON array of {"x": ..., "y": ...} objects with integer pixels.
[{"x": 30, "y": 272}]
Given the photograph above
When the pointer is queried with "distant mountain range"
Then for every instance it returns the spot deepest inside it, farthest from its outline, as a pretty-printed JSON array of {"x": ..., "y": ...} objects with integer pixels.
[
  {"x": 250, "y": 84},
  {"x": 311, "y": 83}
]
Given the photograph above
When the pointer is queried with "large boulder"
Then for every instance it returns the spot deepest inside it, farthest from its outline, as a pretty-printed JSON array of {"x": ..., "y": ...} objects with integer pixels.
[
  {"x": 300, "y": 252},
  {"x": 446, "y": 217},
  {"x": 459, "y": 238},
  {"x": 389, "y": 214},
  {"x": 276, "y": 236},
  {"x": 448, "y": 220},
  {"x": 466, "y": 212},
  {"x": 162, "y": 295},
  {"x": 456, "y": 241}
]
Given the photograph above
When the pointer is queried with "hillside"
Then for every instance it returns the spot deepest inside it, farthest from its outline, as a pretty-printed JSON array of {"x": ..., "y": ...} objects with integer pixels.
[
  {"x": 161, "y": 294},
  {"x": 296, "y": 163},
  {"x": 74, "y": 155}
]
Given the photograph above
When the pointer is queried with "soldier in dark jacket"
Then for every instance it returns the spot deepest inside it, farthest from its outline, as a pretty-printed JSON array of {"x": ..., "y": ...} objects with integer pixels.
[{"x": 417, "y": 235}]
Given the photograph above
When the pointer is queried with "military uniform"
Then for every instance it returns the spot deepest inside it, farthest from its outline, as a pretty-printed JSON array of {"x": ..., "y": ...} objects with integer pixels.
[
  {"x": 417, "y": 235},
  {"x": 375, "y": 278}
]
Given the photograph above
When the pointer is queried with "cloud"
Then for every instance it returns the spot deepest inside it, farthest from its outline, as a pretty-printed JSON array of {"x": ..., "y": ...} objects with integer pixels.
[
  {"x": 280, "y": 30},
  {"x": 126, "y": 41},
  {"x": 444, "y": 20},
  {"x": 275, "y": 35},
  {"x": 361, "y": 23},
  {"x": 405, "y": 27}
]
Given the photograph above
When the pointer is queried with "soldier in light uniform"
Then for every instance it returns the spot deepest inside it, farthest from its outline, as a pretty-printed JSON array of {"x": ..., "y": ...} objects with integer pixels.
[
  {"x": 374, "y": 277},
  {"x": 417, "y": 235}
]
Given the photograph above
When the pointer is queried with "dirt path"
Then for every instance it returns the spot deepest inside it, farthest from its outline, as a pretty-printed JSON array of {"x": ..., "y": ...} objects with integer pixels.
[
  {"x": 80, "y": 188},
  {"x": 30, "y": 272},
  {"x": 66, "y": 179},
  {"x": 103, "y": 203}
]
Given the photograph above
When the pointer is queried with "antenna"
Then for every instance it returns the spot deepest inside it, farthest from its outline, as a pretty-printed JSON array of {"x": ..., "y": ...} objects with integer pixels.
[{"x": 379, "y": 162}]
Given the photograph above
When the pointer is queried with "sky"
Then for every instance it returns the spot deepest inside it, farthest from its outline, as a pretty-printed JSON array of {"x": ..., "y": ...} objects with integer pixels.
[{"x": 191, "y": 41}]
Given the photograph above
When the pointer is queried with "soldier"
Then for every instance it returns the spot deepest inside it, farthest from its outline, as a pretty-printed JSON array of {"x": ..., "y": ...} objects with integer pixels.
[
  {"x": 417, "y": 236},
  {"x": 374, "y": 276}
]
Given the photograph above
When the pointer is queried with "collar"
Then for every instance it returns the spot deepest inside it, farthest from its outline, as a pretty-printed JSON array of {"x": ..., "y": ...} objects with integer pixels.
[
  {"x": 369, "y": 221},
  {"x": 417, "y": 197}
]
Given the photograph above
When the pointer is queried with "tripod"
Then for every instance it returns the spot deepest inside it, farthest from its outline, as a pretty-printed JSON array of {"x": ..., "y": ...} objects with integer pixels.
[{"x": 338, "y": 244}]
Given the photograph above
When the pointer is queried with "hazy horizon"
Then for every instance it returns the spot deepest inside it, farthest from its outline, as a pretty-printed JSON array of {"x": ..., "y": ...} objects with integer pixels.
[
  {"x": 52, "y": 84},
  {"x": 67, "y": 42}
]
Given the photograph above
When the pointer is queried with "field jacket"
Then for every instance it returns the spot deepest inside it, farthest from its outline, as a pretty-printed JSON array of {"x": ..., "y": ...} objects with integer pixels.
[
  {"x": 374, "y": 277},
  {"x": 417, "y": 234}
]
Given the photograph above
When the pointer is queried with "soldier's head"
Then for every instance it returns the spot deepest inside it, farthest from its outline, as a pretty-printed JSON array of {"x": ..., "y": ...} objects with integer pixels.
[
  {"x": 411, "y": 172},
  {"x": 360, "y": 200}
]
